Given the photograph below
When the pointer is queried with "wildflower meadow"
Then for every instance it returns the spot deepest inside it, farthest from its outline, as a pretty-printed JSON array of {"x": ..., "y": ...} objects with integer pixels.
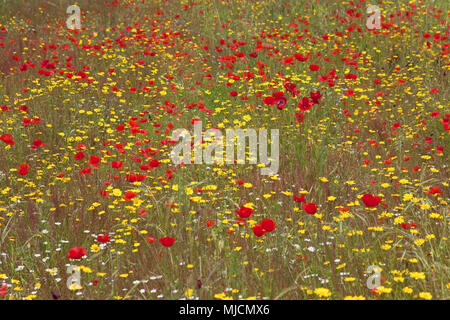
[{"x": 224, "y": 149}]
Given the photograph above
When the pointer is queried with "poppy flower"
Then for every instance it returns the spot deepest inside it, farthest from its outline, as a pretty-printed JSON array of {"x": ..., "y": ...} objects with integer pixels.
[
  {"x": 434, "y": 190},
  {"x": 94, "y": 160},
  {"x": 103, "y": 239},
  {"x": 244, "y": 212},
  {"x": 299, "y": 199},
  {"x": 258, "y": 230},
  {"x": 304, "y": 104},
  {"x": 3, "y": 290},
  {"x": 310, "y": 208},
  {"x": 300, "y": 57},
  {"x": 85, "y": 171},
  {"x": 291, "y": 88},
  {"x": 76, "y": 253},
  {"x": 315, "y": 96},
  {"x": 154, "y": 163},
  {"x": 280, "y": 102},
  {"x": 277, "y": 99},
  {"x": 79, "y": 156},
  {"x": 167, "y": 241},
  {"x": 210, "y": 223},
  {"x": 300, "y": 117},
  {"x": 23, "y": 169},
  {"x": 371, "y": 200},
  {"x": 129, "y": 195},
  {"x": 8, "y": 139},
  {"x": 268, "y": 225},
  {"x": 116, "y": 164},
  {"x": 37, "y": 143},
  {"x": 314, "y": 67}
]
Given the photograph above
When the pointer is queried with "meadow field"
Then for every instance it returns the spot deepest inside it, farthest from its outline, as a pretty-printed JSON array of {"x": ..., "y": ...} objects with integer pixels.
[{"x": 92, "y": 205}]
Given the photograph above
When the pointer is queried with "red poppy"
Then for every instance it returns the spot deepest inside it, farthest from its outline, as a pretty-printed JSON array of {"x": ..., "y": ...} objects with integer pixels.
[
  {"x": 300, "y": 57},
  {"x": 37, "y": 143},
  {"x": 315, "y": 96},
  {"x": 370, "y": 200},
  {"x": 23, "y": 169},
  {"x": 8, "y": 139},
  {"x": 154, "y": 163},
  {"x": 299, "y": 199},
  {"x": 3, "y": 290},
  {"x": 305, "y": 104},
  {"x": 268, "y": 225},
  {"x": 310, "y": 208},
  {"x": 244, "y": 212},
  {"x": 277, "y": 99},
  {"x": 129, "y": 195},
  {"x": 79, "y": 156},
  {"x": 300, "y": 117},
  {"x": 167, "y": 241},
  {"x": 210, "y": 223},
  {"x": 434, "y": 190},
  {"x": 258, "y": 230},
  {"x": 116, "y": 164},
  {"x": 314, "y": 67},
  {"x": 94, "y": 160},
  {"x": 150, "y": 239},
  {"x": 291, "y": 88},
  {"x": 103, "y": 239},
  {"x": 76, "y": 253},
  {"x": 85, "y": 171}
]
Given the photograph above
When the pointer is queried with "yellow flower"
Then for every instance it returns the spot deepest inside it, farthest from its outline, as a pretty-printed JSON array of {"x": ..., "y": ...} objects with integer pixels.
[
  {"x": 75, "y": 286},
  {"x": 417, "y": 275},
  {"x": 354, "y": 298},
  {"x": 407, "y": 290},
  {"x": 322, "y": 292},
  {"x": 95, "y": 248},
  {"x": 189, "y": 293},
  {"x": 407, "y": 196},
  {"x": 222, "y": 296},
  {"x": 382, "y": 289},
  {"x": 349, "y": 279},
  {"x": 425, "y": 295},
  {"x": 117, "y": 192}
]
